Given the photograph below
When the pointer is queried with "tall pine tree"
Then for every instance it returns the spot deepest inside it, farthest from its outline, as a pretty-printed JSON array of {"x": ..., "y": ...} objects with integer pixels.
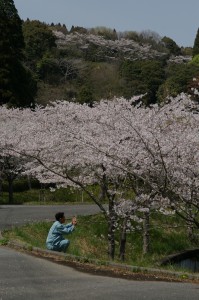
[
  {"x": 17, "y": 88},
  {"x": 196, "y": 44}
]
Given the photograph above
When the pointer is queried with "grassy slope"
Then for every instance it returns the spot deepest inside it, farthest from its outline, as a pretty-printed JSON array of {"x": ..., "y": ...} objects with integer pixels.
[{"x": 90, "y": 239}]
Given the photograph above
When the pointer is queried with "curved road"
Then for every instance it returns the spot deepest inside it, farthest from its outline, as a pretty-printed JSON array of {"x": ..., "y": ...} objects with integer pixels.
[
  {"x": 26, "y": 277},
  {"x": 15, "y": 215}
]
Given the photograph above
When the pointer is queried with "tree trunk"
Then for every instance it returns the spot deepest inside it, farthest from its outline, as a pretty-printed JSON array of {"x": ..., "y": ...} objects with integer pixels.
[
  {"x": 29, "y": 182},
  {"x": 111, "y": 229},
  {"x": 190, "y": 225},
  {"x": 191, "y": 233},
  {"x": 123, "y": 240},
  {"x": 1, "y": 194},
  {"x": 111, "y": 239},
  {"x": 146, "y": 235},
  {"x": 10, "y": 190}
]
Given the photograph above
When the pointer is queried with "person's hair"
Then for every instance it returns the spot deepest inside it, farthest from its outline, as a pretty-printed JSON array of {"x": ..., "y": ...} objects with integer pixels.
[{"x": 59, "y": 215}]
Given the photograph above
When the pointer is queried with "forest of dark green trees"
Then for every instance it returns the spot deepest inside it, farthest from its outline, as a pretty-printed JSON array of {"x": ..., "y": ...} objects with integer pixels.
[{"x": 47, "y": 62}]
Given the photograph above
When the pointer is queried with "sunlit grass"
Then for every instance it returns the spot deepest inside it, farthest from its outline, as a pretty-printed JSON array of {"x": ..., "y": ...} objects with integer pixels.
[{"x": 90, "y": 240}]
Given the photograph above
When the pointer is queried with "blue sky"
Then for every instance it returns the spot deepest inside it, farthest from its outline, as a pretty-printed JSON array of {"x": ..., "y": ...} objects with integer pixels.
[{"x": 177, "y": 19}]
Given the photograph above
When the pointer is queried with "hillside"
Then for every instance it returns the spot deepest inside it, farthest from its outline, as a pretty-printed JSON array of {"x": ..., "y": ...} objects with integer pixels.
[
  {"x": 90, "y": 65},
  {"x": 47, "y": 62}
]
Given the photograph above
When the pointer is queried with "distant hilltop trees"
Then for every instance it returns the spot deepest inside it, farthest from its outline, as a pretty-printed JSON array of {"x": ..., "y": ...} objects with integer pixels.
[{"x": 44, "y": 62}]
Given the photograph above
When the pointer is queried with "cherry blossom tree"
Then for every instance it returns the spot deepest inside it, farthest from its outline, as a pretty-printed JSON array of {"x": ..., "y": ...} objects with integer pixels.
[
  {"x": 143, "y": 159},
  {"x": 11, "y": 167},
  {"x": 168, "y": 162}
]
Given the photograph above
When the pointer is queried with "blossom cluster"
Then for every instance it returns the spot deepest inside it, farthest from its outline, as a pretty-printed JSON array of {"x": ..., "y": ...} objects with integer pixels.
[
  {"x": 131, "y": 49},
  {"x": 142, "y": 158}
]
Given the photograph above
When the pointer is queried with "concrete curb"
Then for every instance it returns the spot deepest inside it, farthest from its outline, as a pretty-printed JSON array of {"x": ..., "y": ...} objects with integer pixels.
[{"x": 135, "y": 269}]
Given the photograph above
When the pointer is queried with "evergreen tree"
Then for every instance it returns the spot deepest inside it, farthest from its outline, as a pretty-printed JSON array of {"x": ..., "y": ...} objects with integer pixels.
[
  {"x": 196, "y": 44},
  {"x": 39, "y": 40},
  {"x": 171, "y": 46},
  {"x": 14, "y": 78}
]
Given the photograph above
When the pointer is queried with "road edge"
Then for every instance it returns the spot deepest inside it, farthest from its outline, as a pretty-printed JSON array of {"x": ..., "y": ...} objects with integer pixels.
[{"x": 157, "y": 274}]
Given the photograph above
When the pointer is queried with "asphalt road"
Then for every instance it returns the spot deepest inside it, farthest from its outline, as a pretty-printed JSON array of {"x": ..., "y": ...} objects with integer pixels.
[
  {"x": 15, "y": 215},
  {"x": 23, "y": 276}
]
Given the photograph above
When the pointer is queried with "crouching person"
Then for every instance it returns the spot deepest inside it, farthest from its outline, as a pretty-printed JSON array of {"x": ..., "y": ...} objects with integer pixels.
[{"x": 55, "y": 239}]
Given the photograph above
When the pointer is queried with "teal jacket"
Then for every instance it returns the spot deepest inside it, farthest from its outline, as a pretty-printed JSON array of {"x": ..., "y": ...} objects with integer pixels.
[{"x": 55, "y": 235}]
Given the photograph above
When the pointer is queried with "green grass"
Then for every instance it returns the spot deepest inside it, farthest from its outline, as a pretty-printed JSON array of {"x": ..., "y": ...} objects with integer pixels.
[
  {"x": 90, "y": 240},
  {"x": 22, "y": 195},
  {"x": 38, "y": 196}
]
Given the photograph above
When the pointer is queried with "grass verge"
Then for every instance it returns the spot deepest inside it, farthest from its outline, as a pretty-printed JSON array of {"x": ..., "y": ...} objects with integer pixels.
[{"x": 90, "y": 240}]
